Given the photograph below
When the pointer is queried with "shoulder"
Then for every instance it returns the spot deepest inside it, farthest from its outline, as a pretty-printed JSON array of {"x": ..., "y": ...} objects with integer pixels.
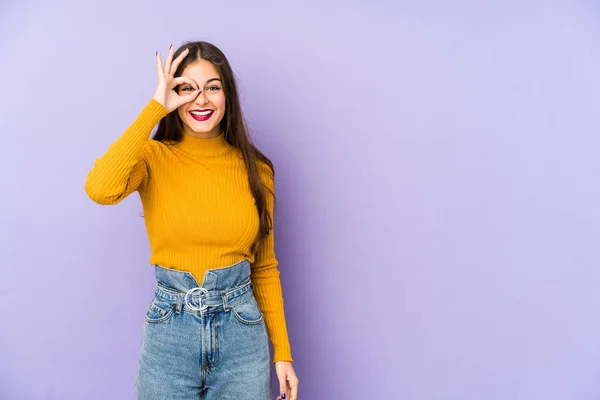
[
  {"x": 267, "y": 174},
  {"x": 265, "y": 171},
  {"x": 264, "y": 168},
  {"x": 149, "y": 149},
  {"x": 153, "y": 147}
]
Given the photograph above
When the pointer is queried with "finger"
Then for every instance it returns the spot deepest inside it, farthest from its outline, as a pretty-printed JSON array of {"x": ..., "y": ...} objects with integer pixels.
[
  {"x": 178, "y": 60},
  {"x": 159, "y": 68},
  {"x": 190, "y": 97},
  {"x": 184, "y": 79},
  {"x": 169, "y": 60},
  {"x": 181, "y": 100},
  {"x": 283, "y": 389}
]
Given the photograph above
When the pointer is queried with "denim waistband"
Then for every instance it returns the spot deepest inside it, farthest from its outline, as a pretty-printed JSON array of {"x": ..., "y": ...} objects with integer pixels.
[
  {"x": 225, "y": 286},
  {"x": 195, "y": 299},
  {"x": 213, "y": 279}
]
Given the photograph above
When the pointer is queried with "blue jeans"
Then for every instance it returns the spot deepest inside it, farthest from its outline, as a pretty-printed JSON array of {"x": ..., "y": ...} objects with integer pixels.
[{"x": 204, "y": 341}]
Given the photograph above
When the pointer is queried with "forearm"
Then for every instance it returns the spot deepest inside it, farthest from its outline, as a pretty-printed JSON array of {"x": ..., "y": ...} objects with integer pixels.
[
  {"x": 269, "y": 296},
  {"x": 120, "y": 170}
]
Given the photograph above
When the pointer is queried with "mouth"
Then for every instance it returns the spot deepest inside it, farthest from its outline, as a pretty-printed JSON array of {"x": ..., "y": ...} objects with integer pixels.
[{"x": 201, "y": 115}]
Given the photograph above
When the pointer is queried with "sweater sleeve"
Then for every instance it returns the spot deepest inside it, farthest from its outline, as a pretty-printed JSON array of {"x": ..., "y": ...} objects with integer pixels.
[
  {"x": 268, "y": 292},
  {"x": 122, "y": 169}
]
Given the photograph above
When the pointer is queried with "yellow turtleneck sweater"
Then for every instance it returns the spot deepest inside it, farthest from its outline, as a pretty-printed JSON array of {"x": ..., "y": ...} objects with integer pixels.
[{"x": 198, "y": 208}]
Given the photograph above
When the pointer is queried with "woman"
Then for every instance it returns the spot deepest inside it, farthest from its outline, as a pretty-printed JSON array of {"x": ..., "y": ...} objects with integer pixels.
[{"x": 208, "y": 199}]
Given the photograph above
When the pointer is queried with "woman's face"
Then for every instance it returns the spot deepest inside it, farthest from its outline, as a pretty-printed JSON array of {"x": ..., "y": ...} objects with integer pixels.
[{"x": 202, "y": 117}]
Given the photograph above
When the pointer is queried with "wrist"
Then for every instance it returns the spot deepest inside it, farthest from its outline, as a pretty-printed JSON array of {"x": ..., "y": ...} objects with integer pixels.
[
  {"x": 159, "y": 101},
  {"x": 160, "y": 104}
]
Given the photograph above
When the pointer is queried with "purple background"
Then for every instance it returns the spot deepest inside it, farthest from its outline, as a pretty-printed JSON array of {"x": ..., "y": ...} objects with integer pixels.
[{"x": 437, "y": 179}]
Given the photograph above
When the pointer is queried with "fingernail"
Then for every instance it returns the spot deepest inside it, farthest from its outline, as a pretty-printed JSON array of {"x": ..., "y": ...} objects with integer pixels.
[
  {"x": 171, "y": 46},
  {"x": 283, "y": 395},
  {"x": 156, "y": 52}
]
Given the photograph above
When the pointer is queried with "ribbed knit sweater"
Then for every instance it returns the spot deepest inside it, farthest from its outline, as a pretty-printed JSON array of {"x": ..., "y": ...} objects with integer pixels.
[{"x": 198, "y": 208}]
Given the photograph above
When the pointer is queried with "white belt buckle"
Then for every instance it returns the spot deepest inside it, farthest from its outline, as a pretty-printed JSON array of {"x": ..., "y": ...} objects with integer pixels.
[{"x": 204, "y": 306}]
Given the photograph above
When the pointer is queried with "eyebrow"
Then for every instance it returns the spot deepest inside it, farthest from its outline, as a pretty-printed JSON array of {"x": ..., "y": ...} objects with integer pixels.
[{"x": 210, "y": 80}]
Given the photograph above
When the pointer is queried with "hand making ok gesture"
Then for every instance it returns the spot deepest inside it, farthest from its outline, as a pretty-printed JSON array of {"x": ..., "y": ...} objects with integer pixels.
[{"x": 165, "y": 93}]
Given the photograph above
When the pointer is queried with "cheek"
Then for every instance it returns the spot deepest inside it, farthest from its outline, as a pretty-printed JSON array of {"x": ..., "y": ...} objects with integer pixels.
[
  {"x": 181, "y": 112},
  {"x": 220, "y": 102},
  {"x": 184, "y": 117}
]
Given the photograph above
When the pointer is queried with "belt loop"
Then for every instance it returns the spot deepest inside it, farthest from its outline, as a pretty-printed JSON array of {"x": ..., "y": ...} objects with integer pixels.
[
  {"x": 178, "y": 307},
  {"x": 225, "y": 304}
]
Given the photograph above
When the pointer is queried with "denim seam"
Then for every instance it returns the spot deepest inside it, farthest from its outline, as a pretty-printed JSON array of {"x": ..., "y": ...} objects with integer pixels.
[
  {"x": 165, "y": 317},
  {"x": 245, "y": 321}
]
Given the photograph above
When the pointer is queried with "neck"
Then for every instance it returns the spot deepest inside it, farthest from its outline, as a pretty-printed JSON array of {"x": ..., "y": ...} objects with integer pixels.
[{"x": 204, "y": 147}]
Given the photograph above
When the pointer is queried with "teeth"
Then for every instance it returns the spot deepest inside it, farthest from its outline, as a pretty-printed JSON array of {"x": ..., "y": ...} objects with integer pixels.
[{"x": 203, "y": 113}]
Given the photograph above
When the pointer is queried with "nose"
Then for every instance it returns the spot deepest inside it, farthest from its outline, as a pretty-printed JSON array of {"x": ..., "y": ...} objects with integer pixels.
[{"x": 201, "y": 98}]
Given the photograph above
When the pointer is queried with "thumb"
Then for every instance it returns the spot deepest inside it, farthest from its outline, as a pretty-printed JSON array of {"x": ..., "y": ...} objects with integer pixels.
[{"x": 184, "y": 99}]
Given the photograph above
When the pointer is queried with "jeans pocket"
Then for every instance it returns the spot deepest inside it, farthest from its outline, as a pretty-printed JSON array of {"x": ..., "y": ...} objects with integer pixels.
[
  {"x": 159, "y": 311},
  {"x": 248, "y": 312}
]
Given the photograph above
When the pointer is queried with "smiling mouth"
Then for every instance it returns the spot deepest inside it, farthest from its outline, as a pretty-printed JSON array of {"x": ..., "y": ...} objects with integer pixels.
[{"x": 201, "y": 115}]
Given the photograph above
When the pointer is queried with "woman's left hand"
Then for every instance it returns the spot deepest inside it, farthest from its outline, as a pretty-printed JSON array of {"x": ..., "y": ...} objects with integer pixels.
[{"x": 288, "y": 382}]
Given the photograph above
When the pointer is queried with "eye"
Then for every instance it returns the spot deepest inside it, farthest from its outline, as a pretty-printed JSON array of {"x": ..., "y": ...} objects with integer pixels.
[
  {"x": 187, "y": 89},
  {"x": 213, "y": 88}
]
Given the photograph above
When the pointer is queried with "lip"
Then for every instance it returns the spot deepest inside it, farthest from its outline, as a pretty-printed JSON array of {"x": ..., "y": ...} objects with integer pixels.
[{"x": 201, "y": 118}]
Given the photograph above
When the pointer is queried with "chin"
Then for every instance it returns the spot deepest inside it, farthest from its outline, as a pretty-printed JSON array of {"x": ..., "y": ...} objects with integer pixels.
[
  {"x": 204, "y": 128},
  {"x": 200, "y": 128}
]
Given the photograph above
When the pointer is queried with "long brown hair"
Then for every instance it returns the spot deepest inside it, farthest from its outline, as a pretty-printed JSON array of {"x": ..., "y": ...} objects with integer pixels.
[{"x": 170, "y": 128}]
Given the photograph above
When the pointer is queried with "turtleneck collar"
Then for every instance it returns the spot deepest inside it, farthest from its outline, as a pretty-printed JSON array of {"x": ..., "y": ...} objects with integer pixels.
[{"x": 211, "y": 147}]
